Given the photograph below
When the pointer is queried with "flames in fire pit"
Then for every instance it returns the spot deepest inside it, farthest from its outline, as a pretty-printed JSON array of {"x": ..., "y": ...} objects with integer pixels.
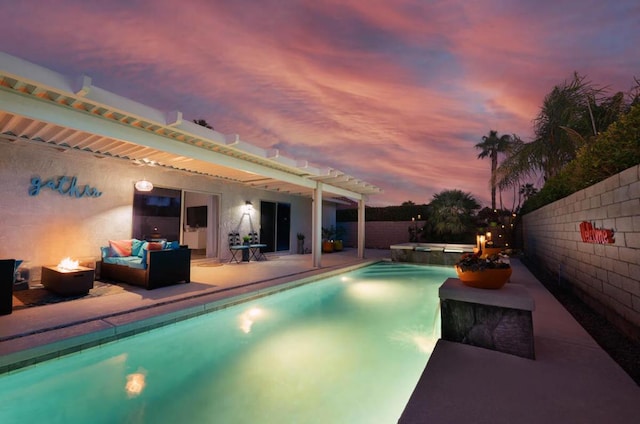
[{"x": 67, "y": 264}]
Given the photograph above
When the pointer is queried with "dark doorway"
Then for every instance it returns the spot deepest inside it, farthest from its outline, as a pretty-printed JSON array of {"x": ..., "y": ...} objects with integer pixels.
[
  {"x": 283, "y": 226},
  {"x": 201, "y": 223},
  {"x": 275, "y": 226},
  {"x": 267, "y": 225}
]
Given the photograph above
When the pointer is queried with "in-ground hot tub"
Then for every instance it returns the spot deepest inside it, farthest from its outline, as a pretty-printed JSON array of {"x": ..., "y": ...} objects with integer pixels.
[{"x": 429, "y": 253}]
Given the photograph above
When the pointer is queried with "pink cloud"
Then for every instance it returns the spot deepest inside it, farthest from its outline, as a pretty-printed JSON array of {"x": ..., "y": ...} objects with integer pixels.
[{"x": 395, "y": 93}]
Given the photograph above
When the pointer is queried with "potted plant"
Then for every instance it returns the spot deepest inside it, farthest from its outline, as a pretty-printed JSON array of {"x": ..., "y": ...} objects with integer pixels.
[
  {"x": 245, "y": 252},
  {"x": 338, "y": 242},
  {"x": 484, "y": 272},
  {"x": 327, "y": 239},
  {"x": 300, "y": 238}
]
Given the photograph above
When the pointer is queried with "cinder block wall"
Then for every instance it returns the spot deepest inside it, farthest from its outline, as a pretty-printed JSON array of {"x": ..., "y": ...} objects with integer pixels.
[{"x": 606, "y": 276}]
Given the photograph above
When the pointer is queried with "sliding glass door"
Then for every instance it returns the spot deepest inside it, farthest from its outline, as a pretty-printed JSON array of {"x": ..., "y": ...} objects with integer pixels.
[{"x": 275, "y": 226}]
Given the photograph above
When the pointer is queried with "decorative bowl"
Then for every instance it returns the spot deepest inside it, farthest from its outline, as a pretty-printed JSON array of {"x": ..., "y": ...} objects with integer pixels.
[{"x": 493, "y": 278}]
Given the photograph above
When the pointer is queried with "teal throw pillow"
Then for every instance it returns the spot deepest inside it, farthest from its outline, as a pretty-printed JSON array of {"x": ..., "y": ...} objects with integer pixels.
[{"x": 136, "y": 247}]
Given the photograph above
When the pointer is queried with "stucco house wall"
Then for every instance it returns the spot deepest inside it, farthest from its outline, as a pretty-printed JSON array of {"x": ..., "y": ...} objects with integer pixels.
[
  {"x": 607, "y": 276},
  {"x": 45, "y": 228}
]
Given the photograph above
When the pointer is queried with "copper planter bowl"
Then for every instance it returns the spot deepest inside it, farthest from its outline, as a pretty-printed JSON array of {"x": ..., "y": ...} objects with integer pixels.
[{"x": 493, "y": 278}]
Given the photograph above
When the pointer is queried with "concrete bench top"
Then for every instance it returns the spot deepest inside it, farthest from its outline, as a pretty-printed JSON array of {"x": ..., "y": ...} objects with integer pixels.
[
  {"x": 434, "y": 247},
  {"x": 422, "y": 249},
  {"x": 511, "y": 295},
  {"x": 402, "y": 246}
]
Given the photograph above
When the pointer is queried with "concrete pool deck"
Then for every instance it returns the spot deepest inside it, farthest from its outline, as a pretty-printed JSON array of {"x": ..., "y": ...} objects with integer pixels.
[{"x": 571, "y": 380}]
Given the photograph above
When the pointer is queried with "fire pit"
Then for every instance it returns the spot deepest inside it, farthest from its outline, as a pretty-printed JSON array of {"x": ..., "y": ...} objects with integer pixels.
[{"x": 68, "y": 278}]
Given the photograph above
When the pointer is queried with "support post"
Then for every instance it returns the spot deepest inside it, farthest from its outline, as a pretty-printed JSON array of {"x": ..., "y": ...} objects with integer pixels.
[
  {"x": 316, "y": 231},
  {"x": 361, "y": 226}
]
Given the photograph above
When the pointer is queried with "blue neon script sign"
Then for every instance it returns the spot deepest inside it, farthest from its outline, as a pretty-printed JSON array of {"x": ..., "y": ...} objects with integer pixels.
[{"x": 63, "y": 185}]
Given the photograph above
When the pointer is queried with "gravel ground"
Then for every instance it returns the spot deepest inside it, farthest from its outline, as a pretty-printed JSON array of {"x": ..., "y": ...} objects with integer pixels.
[{"x": 623, "y": 350}]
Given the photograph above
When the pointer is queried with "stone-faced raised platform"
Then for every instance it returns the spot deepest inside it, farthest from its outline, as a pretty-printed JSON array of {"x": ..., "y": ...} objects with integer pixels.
[
  {"x": 429, "y": 253},
  {"x": 494, "y": 319}
]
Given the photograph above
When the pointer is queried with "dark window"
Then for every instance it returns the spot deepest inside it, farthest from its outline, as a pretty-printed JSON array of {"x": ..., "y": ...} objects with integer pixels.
[{"x": 156, "y": 214}]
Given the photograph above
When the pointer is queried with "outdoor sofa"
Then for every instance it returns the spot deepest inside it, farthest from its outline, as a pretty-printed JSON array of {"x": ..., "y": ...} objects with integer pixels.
[{"x": 146, "y": 264}]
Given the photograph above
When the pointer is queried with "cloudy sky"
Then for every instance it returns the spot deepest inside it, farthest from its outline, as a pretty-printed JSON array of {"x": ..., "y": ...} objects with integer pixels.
[{"x": 394, "y": 92}]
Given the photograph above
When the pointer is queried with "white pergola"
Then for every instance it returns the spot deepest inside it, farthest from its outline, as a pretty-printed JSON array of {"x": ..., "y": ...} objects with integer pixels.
[{"x": 41, "y": 106}]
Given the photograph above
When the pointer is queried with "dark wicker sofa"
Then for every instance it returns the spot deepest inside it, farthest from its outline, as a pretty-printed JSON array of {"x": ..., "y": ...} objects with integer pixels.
[{"x": 163, "y": 268}]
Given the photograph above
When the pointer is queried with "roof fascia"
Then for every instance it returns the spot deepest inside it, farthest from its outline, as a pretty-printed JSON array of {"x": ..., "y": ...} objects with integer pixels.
[{"x": 83, "y": 121}]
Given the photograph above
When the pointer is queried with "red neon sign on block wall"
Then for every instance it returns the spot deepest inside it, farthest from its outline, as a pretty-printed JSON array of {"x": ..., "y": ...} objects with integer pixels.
[{"x": 591, "y": 234}]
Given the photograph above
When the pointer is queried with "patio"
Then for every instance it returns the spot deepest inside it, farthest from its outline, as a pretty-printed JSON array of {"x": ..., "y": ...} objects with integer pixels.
[{"x": 571, "y": 380}]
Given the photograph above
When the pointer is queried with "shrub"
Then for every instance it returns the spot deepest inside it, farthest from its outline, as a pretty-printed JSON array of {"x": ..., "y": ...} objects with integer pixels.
[{"x": 613, "y": 151}]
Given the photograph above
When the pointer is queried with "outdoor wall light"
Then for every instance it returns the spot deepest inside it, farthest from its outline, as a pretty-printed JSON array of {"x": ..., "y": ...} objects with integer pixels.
[
  {"x": 144, "y": 185},
  {"x": 248, "y": 207}
]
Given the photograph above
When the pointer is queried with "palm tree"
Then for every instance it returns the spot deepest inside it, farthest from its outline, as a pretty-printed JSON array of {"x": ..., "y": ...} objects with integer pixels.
[
  {"x": 573, "y": 116},
  {"x": 526, "y": 191},
  {"x": 565, "y": 121},
  {"x": 203, "y": 123},
  {"x": 490, "y": 147},
  {"x": 451, "y": 214}
]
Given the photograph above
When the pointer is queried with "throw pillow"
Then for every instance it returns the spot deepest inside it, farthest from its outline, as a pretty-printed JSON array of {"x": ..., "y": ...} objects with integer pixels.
[
  {"x": 136, "y": 247},
  {"x": 143, "y": 250},
  {"x": 120, "y": 247},
  {"x": 154, "y": 246},
  {"x": 105, "y": 252}
]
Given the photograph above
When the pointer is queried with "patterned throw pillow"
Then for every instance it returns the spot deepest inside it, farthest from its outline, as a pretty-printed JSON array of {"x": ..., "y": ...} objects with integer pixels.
[
  {"x": 154, "y": 246},
  {"x": 120, "y": 247}
]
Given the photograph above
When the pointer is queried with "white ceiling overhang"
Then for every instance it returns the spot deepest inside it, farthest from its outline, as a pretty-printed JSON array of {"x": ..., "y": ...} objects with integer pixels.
[{"x": 40, "y": 106}]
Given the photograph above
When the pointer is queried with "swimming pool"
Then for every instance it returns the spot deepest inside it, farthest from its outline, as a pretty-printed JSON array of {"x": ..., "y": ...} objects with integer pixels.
[{"x": 346, "y": 349}]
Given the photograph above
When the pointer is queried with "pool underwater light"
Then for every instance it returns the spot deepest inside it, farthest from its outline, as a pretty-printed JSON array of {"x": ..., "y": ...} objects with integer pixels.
[{"x": 247, "y": 319}]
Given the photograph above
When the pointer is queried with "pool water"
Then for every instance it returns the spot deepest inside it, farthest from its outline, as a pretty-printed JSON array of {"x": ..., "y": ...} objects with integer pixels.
[{"x": 347, "y": 349}]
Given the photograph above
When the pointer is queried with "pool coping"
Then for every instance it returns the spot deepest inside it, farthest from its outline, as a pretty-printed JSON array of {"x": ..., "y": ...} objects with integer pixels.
[{"x": 29, "y": 349}]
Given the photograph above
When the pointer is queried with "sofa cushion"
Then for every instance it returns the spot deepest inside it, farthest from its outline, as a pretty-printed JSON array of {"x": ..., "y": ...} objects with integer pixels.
[
  {"x": 130, "y": 261},
  {"x": 136, "y": 247},
  {"x": 120, "y": 247}
]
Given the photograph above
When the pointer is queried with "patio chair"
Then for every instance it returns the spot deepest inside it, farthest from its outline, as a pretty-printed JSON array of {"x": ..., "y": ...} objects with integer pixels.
[
  {"x": 236, "y": 246},
  {"x": 256, "y": 247}
]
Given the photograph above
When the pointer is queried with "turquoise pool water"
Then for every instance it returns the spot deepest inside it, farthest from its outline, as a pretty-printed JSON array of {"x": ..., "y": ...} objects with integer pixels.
[{"x": 347, "y": 349}]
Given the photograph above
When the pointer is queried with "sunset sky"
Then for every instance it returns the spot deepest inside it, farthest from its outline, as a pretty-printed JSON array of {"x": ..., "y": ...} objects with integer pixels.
[{"x": 394, "y": 92}]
